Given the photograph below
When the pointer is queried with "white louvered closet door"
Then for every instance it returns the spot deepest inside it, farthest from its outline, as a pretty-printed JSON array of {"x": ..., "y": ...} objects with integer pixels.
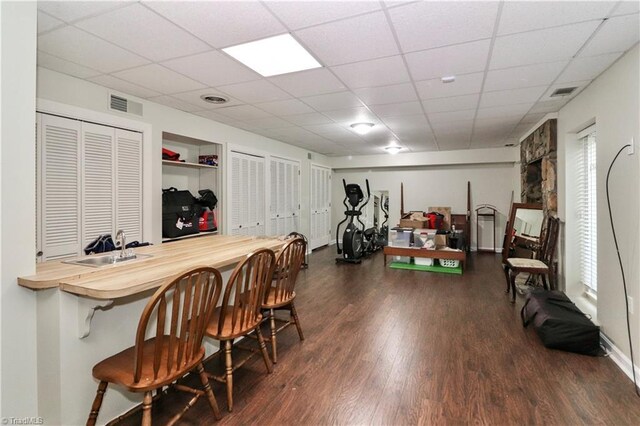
[
  {"x": 248, "y": 201},
  {"x": 285, "y": 196},
  {"x": 98, "y": 181},
  {"x": 59, "y": 187},
  {"x": 320, "y": 206},
  {"x": 128, "y": 178}
]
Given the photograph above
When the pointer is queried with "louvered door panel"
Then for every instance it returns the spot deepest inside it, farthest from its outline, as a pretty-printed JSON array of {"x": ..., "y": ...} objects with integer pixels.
[
  {"x": 60, "y": 218},
  {"x": 128, "y": 177},
  {"x": 236, "y": 202},
  {"x": 320, "y": 193},
  {"x": 248, "y": 199},
  {"x": 98, "y": 181},
  {"x": 260, "y": 206}
]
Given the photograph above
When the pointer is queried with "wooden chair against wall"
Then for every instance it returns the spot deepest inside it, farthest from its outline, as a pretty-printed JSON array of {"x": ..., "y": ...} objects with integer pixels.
[
  {"x": 161, "y": 360},
  {"x": 280, "y": 294},
  {"x": 240, "y": 313},
  {"x": 542, "y": 265}
]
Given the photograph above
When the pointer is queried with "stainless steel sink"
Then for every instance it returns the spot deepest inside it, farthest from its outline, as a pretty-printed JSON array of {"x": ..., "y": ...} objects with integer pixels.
[{"x": 104, "y": 260}]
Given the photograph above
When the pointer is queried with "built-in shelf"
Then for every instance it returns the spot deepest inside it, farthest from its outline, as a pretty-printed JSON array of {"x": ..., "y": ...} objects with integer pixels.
[
  {"x": 184, "y": 237},
  {"x": 187, "y": 164}
]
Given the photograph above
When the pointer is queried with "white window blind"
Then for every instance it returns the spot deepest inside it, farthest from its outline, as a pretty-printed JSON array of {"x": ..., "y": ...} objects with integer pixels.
[{"x": 587, "y": 208}]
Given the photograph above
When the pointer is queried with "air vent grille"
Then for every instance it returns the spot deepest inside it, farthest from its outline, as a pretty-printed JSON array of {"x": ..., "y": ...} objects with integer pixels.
[
  {"x": 118, "y": 103},
  {"x": 564, "y": 91}
]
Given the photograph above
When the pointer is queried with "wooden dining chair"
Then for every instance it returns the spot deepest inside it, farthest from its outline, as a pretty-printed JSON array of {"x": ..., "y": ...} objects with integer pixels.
[
  {"x": 280, "y": 294},
  {"x": 175, "y": 348},
  {"x": 541, "y": 266},
  {"x": 240, "y": 313}
]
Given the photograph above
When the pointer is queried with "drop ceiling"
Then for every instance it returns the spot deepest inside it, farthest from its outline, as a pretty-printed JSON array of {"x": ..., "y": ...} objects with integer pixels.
[{"x": 382, "y": 63}]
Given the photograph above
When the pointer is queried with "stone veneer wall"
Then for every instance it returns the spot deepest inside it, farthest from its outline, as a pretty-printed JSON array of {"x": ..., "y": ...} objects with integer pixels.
[{"x": 539, "y": 149}]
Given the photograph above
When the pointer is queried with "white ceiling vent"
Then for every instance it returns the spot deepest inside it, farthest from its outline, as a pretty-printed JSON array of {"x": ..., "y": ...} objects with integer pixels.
[
  {"x": 118, "y": 103},
  {"x": 563, "y": 91}
]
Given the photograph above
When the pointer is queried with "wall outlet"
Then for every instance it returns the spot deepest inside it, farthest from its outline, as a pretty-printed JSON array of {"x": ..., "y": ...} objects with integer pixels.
[
  {"x": 630, "y": 300},
  {"x": 632, "y": 148}
]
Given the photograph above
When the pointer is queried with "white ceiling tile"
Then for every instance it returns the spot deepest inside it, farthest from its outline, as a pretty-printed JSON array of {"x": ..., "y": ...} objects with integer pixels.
[
  {"x": 308, "y": 119},
  {"x": 587, "y": 68},
  {"x": 159, "y": 78},
  {"x": 407, "y": 123},
  {"x": 425, "y": 25},
  {"x": 75, "y": 45},
  {"x": 212, "y": 68},
  {"x": 454, "y": 103},
  {"x": 69, "y": 11},
  {"x": 444, "y": 117},
  {"x": 549, "y": 45},
  {"x": 299, "y": 14},
  {"x": 352, "y": 115},
  {"x": 328, "y": 130},
  {"x": 387, "y": 94},
  {"x": 627, "y": 7},
  {"x": 286, "y": 107},
  {"x": 123, "y": 86},
  {"x": 194, "y": 97},
  {"x": 213, "y": 115},
  {"x": 56, "y": 64},
  {"x": 396, "y": 110},
  {"x": 376, "y": 72},
  {"x": 220, "y": 23},
  {"x": 504, "y": 111},
  {"x": 270, "y": 123},
  {"x": 532, "y": 118},
  {"x": 420, "y": 146},
  {"x": 159, "y": 40},
  {"x": 255, "y": 91},
  {"x": 350, "y": 40},
  {"x": 502, "y": 123},
  {"x": 512, "y": 96},
  {"x": 243, "y": 112},
  {"x": 464, "y": 85},
  {"x": 449, "y": 126},
  {"x": 332, "y": 101},
  {"x": 174, "y": 103},
  {"x": 520, "y": 16},
  {"x": 454, "y": 139},
  {"x": 47, "y": 22},
  {"x": 452, "y": 60},
  {"x": 308, "y": 83},
  {"x": 616, "y": 35},
  {"x": 580, "y": 85},
  {"x": 548, "y": 106},
  {"x": 525, "y": 76}
]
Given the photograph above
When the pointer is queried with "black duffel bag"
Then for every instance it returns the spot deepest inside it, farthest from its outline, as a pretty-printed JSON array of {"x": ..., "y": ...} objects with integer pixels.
[
  {"x": 179, "y": 213},
  {"x": 560, "y": 324}
]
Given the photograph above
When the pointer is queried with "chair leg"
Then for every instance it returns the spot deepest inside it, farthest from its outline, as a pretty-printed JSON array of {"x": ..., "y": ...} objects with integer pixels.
[
  {"x": 229, "y": 371},
  {"x": 207, "y": 390},
  {"x": 97, "y": 403},
  {"x": 263, "y": 349},
  {"x": 513, "y": 274},
  {"x": 544, "y": 281},
  {"x": 272, "y": 323},
  {"x": 506, "y": 275},
  {"x": 294, "y": 313},
  {"x": 146, "y": 409}
]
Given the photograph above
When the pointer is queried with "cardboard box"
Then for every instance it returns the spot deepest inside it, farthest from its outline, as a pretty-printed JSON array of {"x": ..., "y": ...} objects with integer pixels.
[
  {"x": 442, "y": 240},
  {"x": 407, "y": 221}
]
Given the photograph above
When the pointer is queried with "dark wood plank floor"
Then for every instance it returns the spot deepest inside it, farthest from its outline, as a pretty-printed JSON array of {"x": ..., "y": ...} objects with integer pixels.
[{"x": 401, "y": 347}]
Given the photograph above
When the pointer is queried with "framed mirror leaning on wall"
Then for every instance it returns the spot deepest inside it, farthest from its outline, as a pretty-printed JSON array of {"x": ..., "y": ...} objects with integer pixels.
[{"x": 522, "y": 234}]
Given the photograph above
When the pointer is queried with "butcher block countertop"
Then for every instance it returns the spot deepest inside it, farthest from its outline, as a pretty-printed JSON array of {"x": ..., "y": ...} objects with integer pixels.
[{"x": 135, "y": 276}]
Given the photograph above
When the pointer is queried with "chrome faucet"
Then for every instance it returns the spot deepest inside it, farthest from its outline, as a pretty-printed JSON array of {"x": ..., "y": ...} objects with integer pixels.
[{"x": 122, "y": 238}]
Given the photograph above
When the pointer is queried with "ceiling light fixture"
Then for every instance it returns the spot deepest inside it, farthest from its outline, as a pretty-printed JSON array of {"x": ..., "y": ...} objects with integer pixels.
[
  {"x": 448, "y": 79},
  {"x": 362, "y": 128},
  {"x": 214, "y": 99},
  {"x": 274, "y": 55},
  {"x": 392, "y": 149}
]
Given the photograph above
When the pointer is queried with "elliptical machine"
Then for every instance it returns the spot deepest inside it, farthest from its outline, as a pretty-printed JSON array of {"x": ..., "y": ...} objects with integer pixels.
[
  {"x": 383, "y": 234},
  {"x": 352, "y": 249}
]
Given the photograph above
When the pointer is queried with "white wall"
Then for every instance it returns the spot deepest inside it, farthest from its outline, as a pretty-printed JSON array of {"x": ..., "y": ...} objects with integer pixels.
[
  {"x": 64, "y": 89},
  {"x": 440, "y": 185},
  {"x": 612, "y": 101},
  {"x": 18, "y": 383}
]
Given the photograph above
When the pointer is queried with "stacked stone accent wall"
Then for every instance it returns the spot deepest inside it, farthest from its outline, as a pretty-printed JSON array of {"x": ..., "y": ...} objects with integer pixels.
[{"x": 538, "y": 154}]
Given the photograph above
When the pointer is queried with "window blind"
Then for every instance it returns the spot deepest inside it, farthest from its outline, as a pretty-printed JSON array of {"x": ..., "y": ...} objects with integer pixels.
[{"x": 587, "y": 207}]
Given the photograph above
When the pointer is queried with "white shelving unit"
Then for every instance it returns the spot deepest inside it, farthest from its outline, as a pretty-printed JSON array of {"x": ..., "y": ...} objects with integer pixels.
[{"x": 190, "y": 174}]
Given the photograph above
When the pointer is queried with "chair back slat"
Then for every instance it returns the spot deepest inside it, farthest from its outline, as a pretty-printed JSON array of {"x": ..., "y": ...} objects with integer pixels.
[
  {"x": 194, "y": 296},
  {"x": 550, "y": 240},
  {"x": 288, "y": 265},
  {"x": 247, "y": 286}
]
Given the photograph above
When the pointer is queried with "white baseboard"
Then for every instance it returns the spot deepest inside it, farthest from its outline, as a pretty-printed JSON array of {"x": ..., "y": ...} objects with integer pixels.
[
  {"x": 332, "y": 242},
  {"x": 497, "y": 250},
  {"x": 622, "y": 361}
]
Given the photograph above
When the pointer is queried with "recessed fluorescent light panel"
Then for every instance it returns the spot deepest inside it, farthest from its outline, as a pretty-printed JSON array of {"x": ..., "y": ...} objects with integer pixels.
[{"x": 274, "y": 55}]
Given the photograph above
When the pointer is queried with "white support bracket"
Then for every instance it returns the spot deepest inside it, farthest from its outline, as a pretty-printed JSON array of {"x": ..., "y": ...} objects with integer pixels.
[{"x": 86, "y": 309}]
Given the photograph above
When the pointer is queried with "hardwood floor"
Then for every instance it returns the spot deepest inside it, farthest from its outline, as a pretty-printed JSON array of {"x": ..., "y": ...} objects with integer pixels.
[{"x": 400, "y": 347}]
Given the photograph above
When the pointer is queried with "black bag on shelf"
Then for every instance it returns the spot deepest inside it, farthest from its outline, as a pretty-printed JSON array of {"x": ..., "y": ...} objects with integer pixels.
[
  {"x": 103, "y": 244},
  {"x": 179, "y": 213},
  {"x": 560, "y": 324}
]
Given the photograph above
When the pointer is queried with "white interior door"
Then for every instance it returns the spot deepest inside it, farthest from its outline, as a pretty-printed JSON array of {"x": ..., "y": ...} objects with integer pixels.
[
  {"x": 247, "y": 194},
  {"x": 284, "y": 207},
  {"x": 320, "y": 206}
]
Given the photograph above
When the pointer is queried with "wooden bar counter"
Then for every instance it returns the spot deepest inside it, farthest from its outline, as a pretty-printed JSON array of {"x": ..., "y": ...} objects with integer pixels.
[
  {"x": 136, "y": 276},
  {"x": 85, "y": 314}
]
